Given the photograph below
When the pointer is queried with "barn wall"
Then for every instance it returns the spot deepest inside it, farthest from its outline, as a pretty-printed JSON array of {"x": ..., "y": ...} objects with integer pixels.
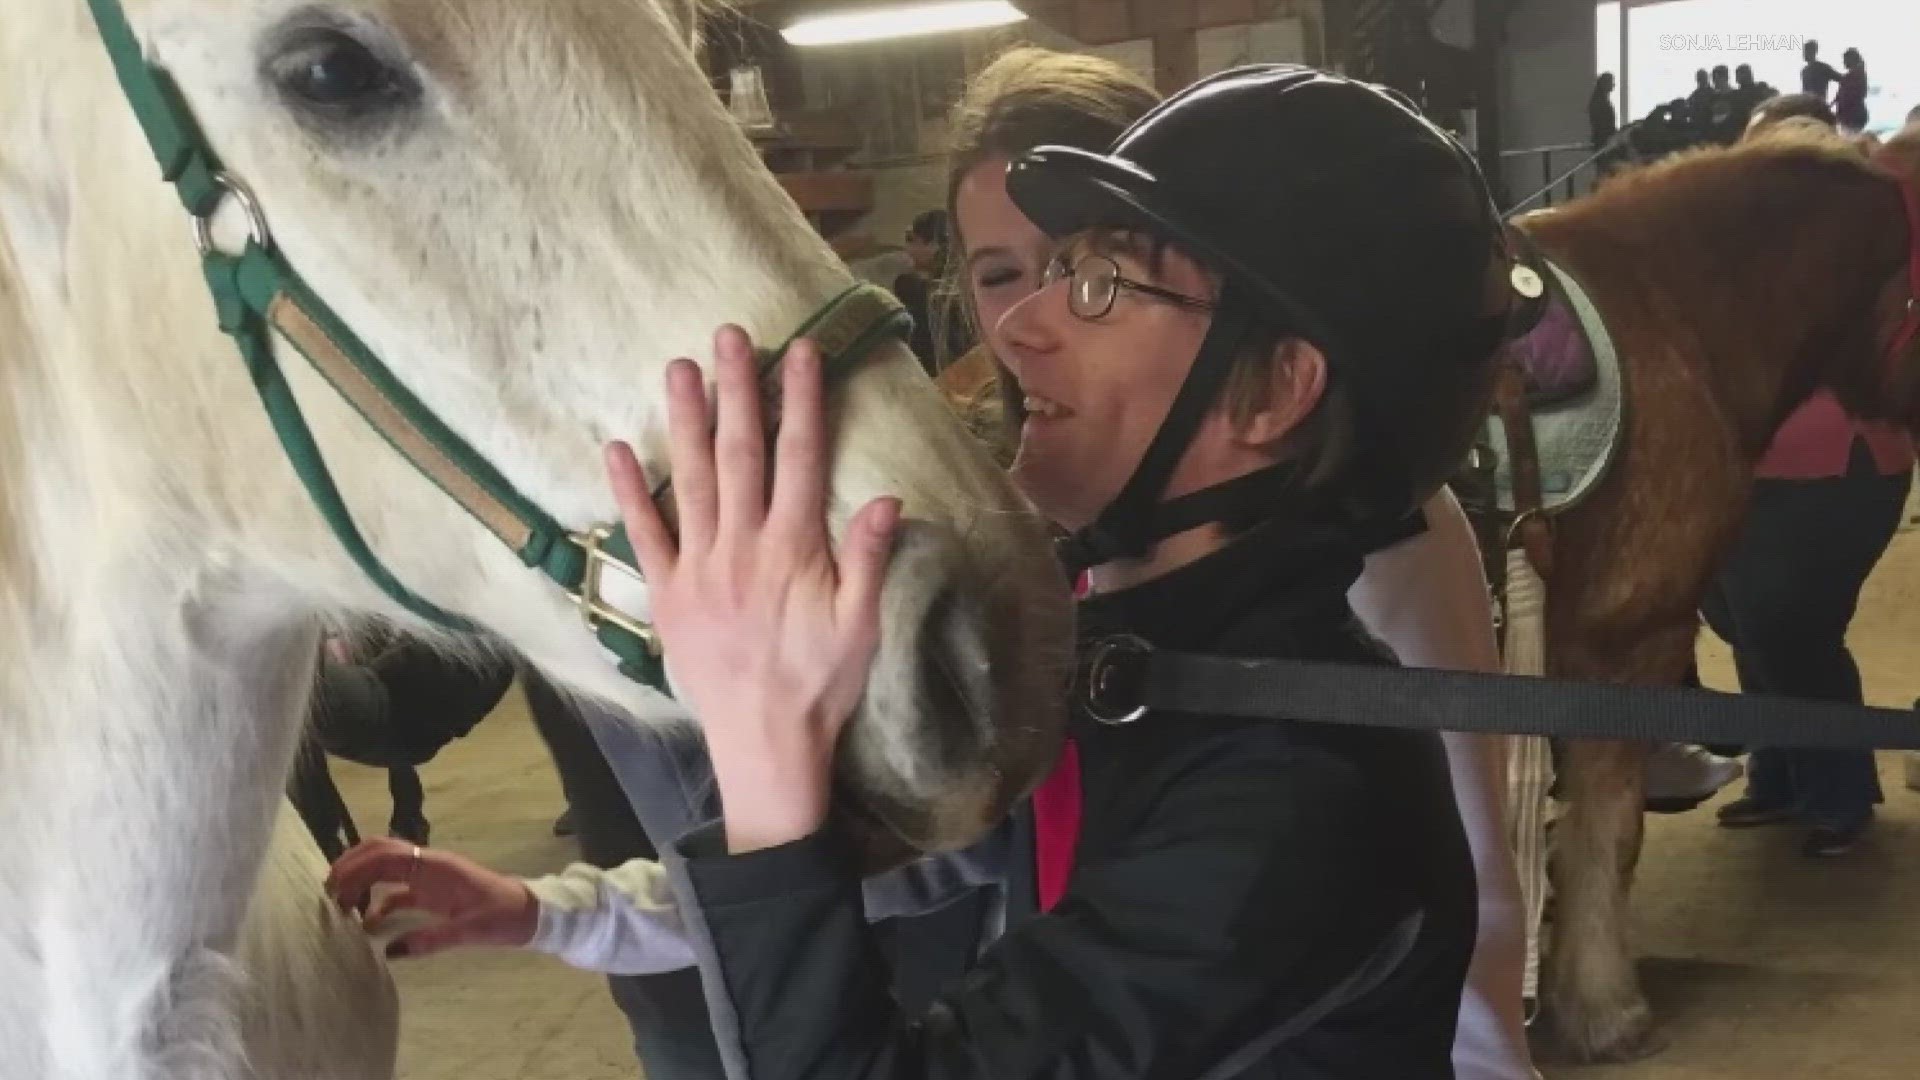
[{"x": 1546, "y": 73}]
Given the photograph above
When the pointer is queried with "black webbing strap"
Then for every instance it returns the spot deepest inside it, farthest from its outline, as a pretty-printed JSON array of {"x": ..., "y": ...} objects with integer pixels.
[
  {"x": 1126, "y": 529},
  {"x": 1124, "y": 679}
]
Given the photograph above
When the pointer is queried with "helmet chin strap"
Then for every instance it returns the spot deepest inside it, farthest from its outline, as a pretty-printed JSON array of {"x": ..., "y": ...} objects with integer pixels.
[{"x": 1137, "y": 519}]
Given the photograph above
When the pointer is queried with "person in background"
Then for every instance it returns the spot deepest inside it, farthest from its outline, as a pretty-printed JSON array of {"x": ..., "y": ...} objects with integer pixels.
[
  {"x": 1747, "y": 96},
  {"x": 1028, "y": 97},
  {"x": 1722, "y": 79},
  {"x": 1850, "y": 100},
  {"x": 934, "y": 330},
  {"x": 1721, "y": 127},
  {"x": 1602, "y": 121},
  {"x": 1827, "y": 499},
  {"x": 1700, "y": 102},
  {"x": 1816, "y": 75},
  {"x": 1752, "y": 92},
  {"x": 1427, "y": 598}
]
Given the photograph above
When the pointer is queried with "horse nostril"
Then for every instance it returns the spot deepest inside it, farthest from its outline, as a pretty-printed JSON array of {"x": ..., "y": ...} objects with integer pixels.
[{"x": 956, "y": 676}]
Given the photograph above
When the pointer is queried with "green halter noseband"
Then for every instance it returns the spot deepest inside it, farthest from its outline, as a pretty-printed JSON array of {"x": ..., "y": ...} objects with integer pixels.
[{"x": 256, "y": 293}]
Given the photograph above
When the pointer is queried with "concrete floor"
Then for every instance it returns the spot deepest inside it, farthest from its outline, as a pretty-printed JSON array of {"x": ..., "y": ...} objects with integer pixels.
[{"x": 1759, "y": 963}]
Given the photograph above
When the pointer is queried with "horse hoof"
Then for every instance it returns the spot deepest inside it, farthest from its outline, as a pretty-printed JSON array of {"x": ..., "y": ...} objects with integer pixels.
[{"x": 1605, "y": 1037}]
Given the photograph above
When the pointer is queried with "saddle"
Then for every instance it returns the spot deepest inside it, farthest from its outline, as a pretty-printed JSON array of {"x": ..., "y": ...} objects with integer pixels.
[{"x": 1563, "y": 395}]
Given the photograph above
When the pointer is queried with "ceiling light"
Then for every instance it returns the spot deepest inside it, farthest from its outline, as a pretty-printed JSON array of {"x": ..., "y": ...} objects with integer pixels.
[{"x": 902, "y": 20}]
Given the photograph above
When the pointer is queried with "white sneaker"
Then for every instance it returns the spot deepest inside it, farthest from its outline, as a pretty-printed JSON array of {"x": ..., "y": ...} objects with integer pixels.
[{"x": 1681, "y": 776}]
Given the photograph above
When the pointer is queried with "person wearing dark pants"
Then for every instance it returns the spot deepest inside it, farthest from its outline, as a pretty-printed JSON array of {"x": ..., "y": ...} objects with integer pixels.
[{"x": 1783, "y": 600}]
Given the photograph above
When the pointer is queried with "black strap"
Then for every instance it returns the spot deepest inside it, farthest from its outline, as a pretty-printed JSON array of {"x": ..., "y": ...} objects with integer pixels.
[
  {"x": 1125, "y": 529},
  {"x": 1239, "y": 504},
  {"x": 1125, "y": 679}
]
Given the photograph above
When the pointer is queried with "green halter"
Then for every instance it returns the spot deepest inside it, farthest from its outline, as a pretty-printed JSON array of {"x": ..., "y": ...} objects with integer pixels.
[{"x": 256, "y": 293}]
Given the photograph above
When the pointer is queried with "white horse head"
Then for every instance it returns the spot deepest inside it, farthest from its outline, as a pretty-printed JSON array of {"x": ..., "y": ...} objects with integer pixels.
[{"x": 526, "y": 209}]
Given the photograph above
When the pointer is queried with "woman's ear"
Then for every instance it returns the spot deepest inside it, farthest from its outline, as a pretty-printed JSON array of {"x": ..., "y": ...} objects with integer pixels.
[{"x": 1299, "y": 381}]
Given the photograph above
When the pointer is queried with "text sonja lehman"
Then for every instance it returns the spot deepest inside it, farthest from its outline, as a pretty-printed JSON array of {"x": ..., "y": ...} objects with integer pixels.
[{"x": 1731, "y": 42}]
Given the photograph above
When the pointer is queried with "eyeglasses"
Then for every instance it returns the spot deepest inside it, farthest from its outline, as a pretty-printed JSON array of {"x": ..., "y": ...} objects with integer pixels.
[{"x": 1096, "y": 284}]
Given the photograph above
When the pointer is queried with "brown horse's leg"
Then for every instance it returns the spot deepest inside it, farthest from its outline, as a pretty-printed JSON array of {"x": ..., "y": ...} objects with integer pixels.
[{"x": 1592, "y": 991}]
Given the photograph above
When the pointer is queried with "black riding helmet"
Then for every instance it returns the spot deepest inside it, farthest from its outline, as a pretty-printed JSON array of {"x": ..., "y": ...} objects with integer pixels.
[{"x": 1336, "y": 214}]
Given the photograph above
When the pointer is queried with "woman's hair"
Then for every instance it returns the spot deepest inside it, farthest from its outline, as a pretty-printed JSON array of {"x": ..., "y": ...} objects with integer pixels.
[
  {"x": 1027, "y": 97},
  {"x": 1031, "y": 97}
]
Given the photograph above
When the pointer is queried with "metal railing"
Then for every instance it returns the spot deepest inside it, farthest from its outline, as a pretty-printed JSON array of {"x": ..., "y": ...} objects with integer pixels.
[{"x": 1566, "y": 183}]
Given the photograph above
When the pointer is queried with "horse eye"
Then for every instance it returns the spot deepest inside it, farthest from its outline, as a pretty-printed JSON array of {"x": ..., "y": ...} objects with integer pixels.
[{"x": 331, "y": 73}]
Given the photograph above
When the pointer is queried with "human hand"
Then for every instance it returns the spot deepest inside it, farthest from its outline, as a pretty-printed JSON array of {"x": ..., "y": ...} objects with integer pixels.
[
  {"x": 769, "y": 634},
  {"x": 472, "y": 905}
]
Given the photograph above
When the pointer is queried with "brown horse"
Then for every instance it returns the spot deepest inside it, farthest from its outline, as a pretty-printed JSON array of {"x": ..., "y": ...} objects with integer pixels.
[{"x": 1733, "y": 281}]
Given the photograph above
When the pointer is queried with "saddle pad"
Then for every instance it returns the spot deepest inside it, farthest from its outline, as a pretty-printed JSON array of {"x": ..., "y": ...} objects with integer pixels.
[{"x": 1578, "y": 435}]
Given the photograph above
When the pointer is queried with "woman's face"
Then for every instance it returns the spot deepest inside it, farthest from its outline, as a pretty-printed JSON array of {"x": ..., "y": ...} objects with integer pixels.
[{"x": 1004, "y": 254}]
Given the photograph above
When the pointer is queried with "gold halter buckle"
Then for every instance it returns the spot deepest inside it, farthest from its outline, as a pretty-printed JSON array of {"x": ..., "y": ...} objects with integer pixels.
[{"x": 593, "y": 607}]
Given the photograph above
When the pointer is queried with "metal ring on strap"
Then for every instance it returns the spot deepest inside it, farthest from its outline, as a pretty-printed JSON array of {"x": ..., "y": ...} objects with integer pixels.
[
  {"x": 1116, "y": 680},
  {"x": 256, "y": 218}
]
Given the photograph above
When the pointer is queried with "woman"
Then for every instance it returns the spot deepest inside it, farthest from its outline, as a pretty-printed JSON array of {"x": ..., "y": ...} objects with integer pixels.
[
  {"x": 1850, "y": 100},
  {"x": 1246, "y": 899},
  {"x": 1425, "y": 596},
  {"x": 1826, "y": 501},
  {"x": 1602, "y": 122},
  {"x": 933, "y": 331}
]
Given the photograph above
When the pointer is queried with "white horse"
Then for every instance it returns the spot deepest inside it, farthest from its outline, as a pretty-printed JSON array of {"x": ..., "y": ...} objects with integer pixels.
[{"x": 525, "y": 209}]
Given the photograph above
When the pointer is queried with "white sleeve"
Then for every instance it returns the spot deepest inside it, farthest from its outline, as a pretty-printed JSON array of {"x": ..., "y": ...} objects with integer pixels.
[
  {"x": 1427, "y": 598},
  {"x": 624, "y": 921}
]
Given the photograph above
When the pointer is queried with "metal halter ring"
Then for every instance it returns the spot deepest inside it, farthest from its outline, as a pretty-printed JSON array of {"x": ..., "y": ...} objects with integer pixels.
[
  {"x": 1117, "y": 679},
  {"x": 242, "y": 194}
]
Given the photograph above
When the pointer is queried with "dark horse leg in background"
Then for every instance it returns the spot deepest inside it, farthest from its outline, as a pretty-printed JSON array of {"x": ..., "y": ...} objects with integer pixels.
[{"x": 318, "y": 801}]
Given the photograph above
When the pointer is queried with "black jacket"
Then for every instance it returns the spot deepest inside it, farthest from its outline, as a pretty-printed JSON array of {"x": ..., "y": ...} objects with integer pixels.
[{"x": 1249, "y": 899}]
